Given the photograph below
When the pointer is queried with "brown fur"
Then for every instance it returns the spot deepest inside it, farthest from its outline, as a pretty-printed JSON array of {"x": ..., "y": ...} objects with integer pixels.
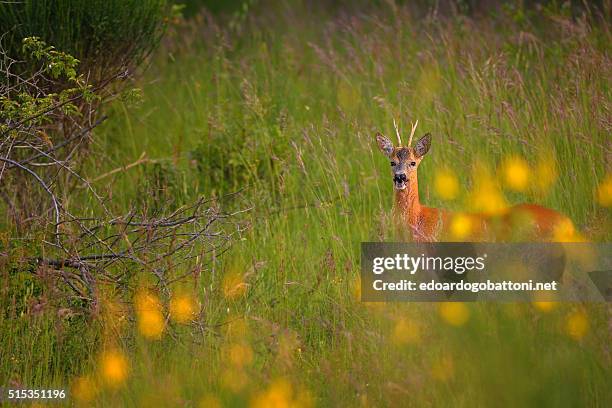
[{"x": 425, "y": 224}]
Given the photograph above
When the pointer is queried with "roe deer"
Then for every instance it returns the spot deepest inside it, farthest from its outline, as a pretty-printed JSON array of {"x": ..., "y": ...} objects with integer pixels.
[{"x": 425, "y": 224}]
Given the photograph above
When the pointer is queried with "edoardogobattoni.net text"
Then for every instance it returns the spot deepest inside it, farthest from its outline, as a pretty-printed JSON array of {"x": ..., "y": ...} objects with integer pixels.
[{"x": 463, "y": 286}]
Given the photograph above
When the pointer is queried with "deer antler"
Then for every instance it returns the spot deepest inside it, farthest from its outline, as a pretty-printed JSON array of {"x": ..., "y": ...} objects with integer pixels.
[
  {"x": 414, "y": 126},
  {"x": 399, "y": 140}
]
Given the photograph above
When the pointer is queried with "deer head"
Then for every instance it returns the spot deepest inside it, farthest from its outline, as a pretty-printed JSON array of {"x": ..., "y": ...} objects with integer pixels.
[{"x": 404, "y": 159}]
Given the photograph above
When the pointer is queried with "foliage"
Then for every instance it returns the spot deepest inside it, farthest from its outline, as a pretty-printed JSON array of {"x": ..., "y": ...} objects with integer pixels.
[
  {"x": 105, "y": 35},
  {"x": 20, "y": 104},
  {"x": 58, "y": 254},
  {"x": 193, "y": 7}
]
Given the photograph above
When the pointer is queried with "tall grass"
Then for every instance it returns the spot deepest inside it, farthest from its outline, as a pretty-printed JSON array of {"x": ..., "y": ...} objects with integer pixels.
[
  {"x": 286, "y": 108},
  {"x": 110, "y": 33}
]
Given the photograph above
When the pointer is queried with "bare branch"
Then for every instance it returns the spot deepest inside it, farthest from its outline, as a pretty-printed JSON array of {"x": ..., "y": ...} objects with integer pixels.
[{"x": 40, "y": 181}]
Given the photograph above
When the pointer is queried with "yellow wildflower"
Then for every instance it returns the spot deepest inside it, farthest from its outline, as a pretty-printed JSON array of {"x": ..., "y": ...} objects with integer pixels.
[
  {"x": 454, "y": 313},
  {"x": 406, "y": 332},
  {"x": 577, "y": 324},
  {"x": 84, "y": 389},
  {"x": 280, "y": 394},
  {"x": 240, "y": 354},
  {"x": 443, "y": 369},
  {"x": 114, "y": 367},
  {"x": 515, "y": 172},
  {"x": 446, "y": 184},
  {"x": 182, "y": 308},
  {"x": 149, "y": 315},
  {"x": 210, "y": 401},
  {"x": 461, "y": 226},
  {"x": 604, "y": 192}
]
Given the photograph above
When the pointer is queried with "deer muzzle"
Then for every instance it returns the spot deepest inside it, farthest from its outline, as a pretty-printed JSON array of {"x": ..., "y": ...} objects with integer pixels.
[{"x": 399, "y": 181}]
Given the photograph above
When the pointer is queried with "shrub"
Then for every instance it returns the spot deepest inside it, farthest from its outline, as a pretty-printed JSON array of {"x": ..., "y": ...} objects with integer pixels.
[
  {"x": 105, "y": 35},
  {"x": 214, "y": 6}
]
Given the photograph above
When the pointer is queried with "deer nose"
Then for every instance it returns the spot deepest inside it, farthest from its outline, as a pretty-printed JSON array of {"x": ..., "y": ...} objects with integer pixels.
[{"x": 399, "y": 178}]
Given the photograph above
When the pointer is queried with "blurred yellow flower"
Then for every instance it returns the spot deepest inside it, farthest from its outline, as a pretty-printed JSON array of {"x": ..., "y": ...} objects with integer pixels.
[
  {"x": 149, "y": 315},
  {"x": 604, "y": 192},
  {"x": 233, "y": 285},
  {"x": 114, "y": 367},
  {"x": 145, "y": 300},
  {"x": 542, "y": 301},
  {"x": 280, "y": 394},
  {"x": 460, "y": 226},
  {"x": 564, "y": 231},
  {"x": 240, "y": 354},
  {"x": 577, "y": 324},
  {"x": 486, "y": 196},
  {"x": 210, "y": 401},
  {"x": 454, "y": 313},
  {"x": 183, "y": 308},
  {"x": 544, "y": 306},
  {"x": 515, "y": 172},
  {"x": 446, "y": 184},
  {"x": 234, "y": 380},
  {"x": 488, "y": 199},
  {"x": 151, "y": 324},
  {"x": 443, "y": 369},
  {"x": 84, "y": 389},
  {"x": 406, "y": 332}
]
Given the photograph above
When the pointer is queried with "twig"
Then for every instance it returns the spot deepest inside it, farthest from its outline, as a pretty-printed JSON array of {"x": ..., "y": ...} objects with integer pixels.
[
  {"x": 67, "y": 141},
  {"x": 45, "y": 187},
  {"x": 142, "y": 159}
]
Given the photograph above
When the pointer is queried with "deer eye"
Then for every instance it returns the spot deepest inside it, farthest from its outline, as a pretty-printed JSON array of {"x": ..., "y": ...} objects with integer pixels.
[
  {"x": 393, "y": 163},
  {"x": 412, "y": 164}
]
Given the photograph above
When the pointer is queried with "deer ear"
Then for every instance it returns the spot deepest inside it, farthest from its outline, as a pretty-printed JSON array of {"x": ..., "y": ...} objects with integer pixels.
[
  {"x": 423, "y": 145},
  {"x": 384, "y": 144}
]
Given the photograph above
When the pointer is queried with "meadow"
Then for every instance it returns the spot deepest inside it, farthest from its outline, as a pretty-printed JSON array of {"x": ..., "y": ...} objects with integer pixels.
[{"x": 282, "y": 105}]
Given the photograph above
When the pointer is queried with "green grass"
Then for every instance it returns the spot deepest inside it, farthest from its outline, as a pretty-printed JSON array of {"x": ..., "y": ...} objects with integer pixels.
[
  {"x": 112, "y": 34},
  {"x": 286, "y": 109}
]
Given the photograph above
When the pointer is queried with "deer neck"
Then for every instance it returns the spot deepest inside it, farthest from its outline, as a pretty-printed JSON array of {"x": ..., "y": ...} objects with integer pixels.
[{"x": 407, "y": 202}]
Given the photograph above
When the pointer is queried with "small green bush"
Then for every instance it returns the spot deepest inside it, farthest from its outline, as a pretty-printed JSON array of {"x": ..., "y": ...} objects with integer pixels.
[
  {"x": 102, "y": 34},
  {"x": 214, "y": 6}
]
